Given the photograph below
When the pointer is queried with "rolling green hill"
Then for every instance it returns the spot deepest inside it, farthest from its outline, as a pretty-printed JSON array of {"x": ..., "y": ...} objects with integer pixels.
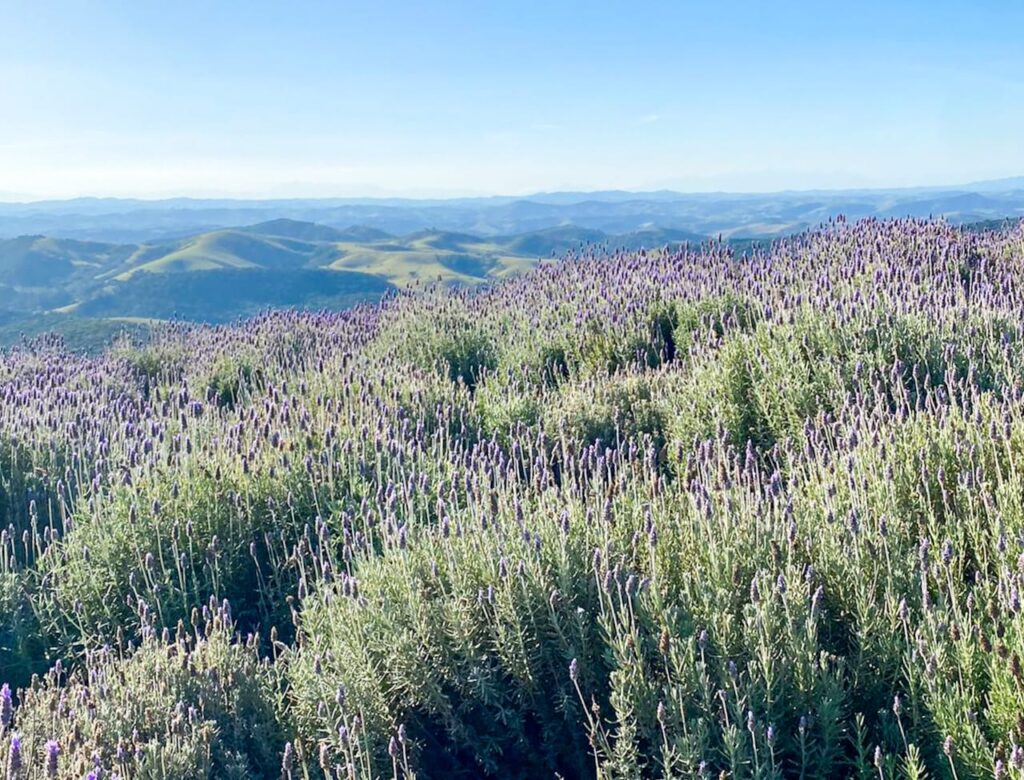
[
  {"x": 426, "y": 255},
  {"x": 286, "y": 245},
  {"x": 223, "y": 249},
  {"x": 39, "y": 261}
]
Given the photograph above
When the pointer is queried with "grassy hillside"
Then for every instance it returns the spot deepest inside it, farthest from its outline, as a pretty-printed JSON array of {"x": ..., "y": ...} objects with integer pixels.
[
  {"x": 225, "y": 249},
  {"x": 423, "y": 256},
  {"x": 674, "y": 514},
  {"x": 38, "y": 261},
  {"x": 434, "y": 256}
]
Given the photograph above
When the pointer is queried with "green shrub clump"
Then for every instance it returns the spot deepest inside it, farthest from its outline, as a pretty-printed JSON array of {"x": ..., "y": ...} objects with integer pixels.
[{"x": 193, "y": 706}]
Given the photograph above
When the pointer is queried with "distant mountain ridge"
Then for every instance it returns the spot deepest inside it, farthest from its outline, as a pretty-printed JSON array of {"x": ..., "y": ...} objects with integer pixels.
[{"x": 752, "y": 215}]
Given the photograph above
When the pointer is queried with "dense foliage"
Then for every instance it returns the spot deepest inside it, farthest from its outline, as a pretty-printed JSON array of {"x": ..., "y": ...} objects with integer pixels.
[{"x": 642, "y": 514}]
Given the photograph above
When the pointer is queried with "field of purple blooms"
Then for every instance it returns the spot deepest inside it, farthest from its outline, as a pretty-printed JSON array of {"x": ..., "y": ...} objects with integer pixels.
[{"x": 662, "y": 514}]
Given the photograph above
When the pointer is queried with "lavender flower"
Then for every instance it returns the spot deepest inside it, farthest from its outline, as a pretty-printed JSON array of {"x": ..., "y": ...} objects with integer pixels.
[
  {"x": 14, "y": 759},
  {"x": 6, "y": 706},
  {"x": 52, "y": 753}
]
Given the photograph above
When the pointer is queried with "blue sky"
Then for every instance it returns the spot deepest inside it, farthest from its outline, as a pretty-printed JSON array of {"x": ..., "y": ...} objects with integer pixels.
[{"x": 258, "y": 99}]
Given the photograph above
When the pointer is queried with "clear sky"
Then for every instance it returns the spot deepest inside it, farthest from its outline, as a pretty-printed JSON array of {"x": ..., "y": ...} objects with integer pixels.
[{"x": 255, "y": 99}]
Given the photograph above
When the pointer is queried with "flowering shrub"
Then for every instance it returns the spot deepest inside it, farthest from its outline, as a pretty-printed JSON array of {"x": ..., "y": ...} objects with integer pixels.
[
  {"x": 193, "y": 705},
  {"x": 663, "y": 514}
]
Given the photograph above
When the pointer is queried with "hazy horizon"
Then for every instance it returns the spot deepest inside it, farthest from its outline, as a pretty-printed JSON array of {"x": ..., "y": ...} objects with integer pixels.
[
  {"x": 324, "y": 100},
  {"x": 369, "y": 194}
]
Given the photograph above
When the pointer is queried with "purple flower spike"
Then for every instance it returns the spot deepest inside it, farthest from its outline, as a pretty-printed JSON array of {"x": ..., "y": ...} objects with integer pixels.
[{"x": 52, "y": 752}]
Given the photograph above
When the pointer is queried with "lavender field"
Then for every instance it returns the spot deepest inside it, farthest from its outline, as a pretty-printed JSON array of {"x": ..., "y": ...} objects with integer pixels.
[{"x": 661, "y": 514}]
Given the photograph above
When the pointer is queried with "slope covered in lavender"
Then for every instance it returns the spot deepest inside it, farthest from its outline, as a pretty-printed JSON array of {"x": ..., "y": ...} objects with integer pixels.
[{"x": 663, "y": 514}]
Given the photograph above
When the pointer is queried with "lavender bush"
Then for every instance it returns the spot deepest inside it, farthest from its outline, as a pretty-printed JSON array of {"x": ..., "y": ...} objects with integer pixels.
[{"x": 668, "y": 513}]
